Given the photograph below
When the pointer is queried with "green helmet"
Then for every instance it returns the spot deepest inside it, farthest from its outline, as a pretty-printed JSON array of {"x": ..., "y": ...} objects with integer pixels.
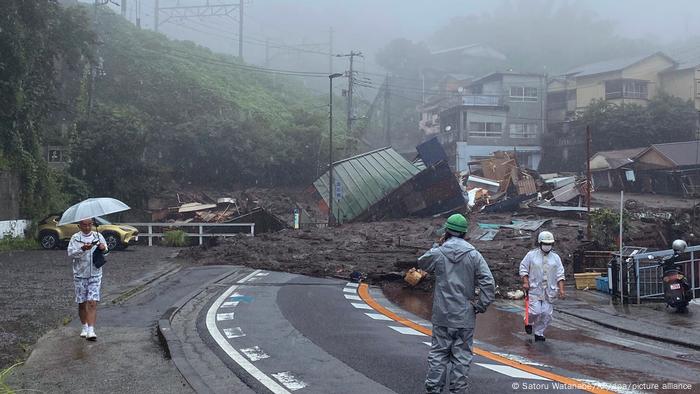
[{"x": 457, "y": 223}]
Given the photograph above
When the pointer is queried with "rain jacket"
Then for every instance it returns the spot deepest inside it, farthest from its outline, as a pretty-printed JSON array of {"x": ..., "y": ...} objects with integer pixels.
[
  {"x": 459, "y": 270},
  {"x": 544, "y": 273},
  {"x": 82, "y": 260}
]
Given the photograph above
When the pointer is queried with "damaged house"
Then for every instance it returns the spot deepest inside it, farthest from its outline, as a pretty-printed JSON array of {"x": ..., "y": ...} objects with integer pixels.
[
  {"x": 671, "y": 168},
  {"x": 381, "y": 184}
]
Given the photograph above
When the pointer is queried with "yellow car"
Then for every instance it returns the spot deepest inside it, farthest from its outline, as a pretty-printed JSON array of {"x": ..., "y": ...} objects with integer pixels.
[{"x": 118, "y": 236}]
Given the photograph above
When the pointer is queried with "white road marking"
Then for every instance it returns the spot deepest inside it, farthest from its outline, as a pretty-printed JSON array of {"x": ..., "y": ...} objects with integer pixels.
[
  {"x": 289, "y": 380},
  {"x": 262, "y": 274},
  {"x": 378, "y": 316},
  {"x": 235, "y": 332},
  {"x": 521, "y": 360},
  {"x": 407, "y": 330},
  {"x": 255, "y": 353},
  {"x": 230, "y": 304},
  {"x": 428, "y": 343},
  {"x": 235, "y": 356},
  {"x": 253, "y": 278},
  {"x": 352, "y": 297},
  {"x": 349, "y": 290},
  {"x": 512, "y": 372},
  {"x": 352, "y": 284},
  {"x": 224, "y": 316},
  {"x": 361, "y": 306}
]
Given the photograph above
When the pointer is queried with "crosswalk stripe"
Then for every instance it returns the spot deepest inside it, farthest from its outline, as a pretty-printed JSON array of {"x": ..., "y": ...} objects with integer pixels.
[
  {"x": 352, "y": 284},
  {"x": 230, "y": 304},
  {"x": 224, "y": 316},
  {"x": 254, "y": 353},
  {"x": 352, "y": 297},
  {"x": 378, "y": 316},
  {"x": 510, "y": 371},
  {"x": 289, "y": 381},
  {"x": 349, "y": 290},
  {"x": 235, "y": 332},
  {"x": 407, "y": 330},
  {"x": 361, "y": 306}
]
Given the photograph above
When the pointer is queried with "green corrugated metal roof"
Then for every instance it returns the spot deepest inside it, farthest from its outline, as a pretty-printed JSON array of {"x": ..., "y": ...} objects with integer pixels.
[{"x": 366, "y": 179}]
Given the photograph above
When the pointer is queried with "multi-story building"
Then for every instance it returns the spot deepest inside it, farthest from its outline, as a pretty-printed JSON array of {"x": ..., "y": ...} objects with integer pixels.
[
  {"x": 502, "y": 111},
  {"x": 631, "y": 80}
]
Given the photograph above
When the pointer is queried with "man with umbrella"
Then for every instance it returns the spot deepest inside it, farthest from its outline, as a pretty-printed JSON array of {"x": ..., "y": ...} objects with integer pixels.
[{"x": 86, "y": 276}]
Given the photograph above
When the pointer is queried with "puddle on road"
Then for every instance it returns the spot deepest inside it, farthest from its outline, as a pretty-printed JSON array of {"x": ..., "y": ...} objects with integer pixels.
[{"x": 502, "y": 326}]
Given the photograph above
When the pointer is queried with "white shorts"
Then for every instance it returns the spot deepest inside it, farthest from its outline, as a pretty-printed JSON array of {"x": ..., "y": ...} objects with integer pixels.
[{"x": 87, "y": 289}]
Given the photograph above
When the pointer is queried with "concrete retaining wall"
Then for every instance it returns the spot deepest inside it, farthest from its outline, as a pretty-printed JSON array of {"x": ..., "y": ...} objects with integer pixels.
[{"x": 13, "y": 228}]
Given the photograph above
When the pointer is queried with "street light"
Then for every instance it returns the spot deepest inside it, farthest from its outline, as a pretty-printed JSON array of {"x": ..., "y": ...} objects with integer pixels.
[{"x": 330, "y": 147}]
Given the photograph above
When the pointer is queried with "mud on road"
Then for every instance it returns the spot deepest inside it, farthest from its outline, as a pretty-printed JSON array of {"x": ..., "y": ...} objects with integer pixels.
[
  {"x": 36, "y": 291},
  {"x": 382, "y": 251}
]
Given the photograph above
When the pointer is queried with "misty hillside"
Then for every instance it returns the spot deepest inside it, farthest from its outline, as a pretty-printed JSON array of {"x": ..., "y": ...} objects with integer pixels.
[
  {"x": 171, "y": 113},
  {"x": 178, "y": 80}
]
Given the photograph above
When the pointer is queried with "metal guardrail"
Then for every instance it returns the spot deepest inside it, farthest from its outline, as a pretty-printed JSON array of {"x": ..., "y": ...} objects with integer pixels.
[
  {"x": 645, "y": 275},
  {"x": 200, "y": 227}
]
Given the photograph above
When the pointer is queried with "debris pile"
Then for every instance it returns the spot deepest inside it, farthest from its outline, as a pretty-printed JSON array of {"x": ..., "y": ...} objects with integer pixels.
[
  {"x": 498, "y": 184},
  {"x": 211, "y": 207}
]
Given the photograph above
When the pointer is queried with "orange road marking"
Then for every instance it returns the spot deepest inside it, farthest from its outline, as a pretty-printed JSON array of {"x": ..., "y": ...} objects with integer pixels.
[{"x": 363, "y": 290}]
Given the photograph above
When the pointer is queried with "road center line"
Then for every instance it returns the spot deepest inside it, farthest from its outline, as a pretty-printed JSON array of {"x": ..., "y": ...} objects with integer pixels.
[
  {"x": 585, "y": 386},
  {"x": 230, "y": 351}
]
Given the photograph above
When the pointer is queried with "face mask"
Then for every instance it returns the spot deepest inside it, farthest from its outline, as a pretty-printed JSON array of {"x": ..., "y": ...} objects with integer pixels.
[{"x": 546, "y": 248}]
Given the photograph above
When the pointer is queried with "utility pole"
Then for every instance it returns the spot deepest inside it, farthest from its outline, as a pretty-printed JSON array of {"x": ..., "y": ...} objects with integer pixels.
[
  {"x": 351, "y": 81},
  {"x": 387, "y": 112},
  {"x": 240, "y": 29},
  {"x": 588, "y": 178},
  {"x": 267, "y": 52},
  {"x": 156, "y": 10},
  {"x": 330, "y": 50},
  {"x": 123, "y": 8}
]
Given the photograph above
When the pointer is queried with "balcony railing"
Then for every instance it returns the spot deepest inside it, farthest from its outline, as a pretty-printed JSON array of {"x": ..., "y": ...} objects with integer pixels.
[{"x": 481, "y": 100}]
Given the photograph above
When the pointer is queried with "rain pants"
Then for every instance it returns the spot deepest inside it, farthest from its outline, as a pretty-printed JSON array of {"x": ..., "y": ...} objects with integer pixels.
[
  {"x": 544, "y": 271},
  {"x": 459, "y": 270}
]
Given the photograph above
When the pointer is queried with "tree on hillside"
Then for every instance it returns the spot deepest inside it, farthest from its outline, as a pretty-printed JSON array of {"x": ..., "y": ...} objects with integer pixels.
[
  {"x": 404, "y": 58},
  {"x": 623, "y": 126},
  {"x": 37, "y": 40},
  {"x": 540, "y": 36}
]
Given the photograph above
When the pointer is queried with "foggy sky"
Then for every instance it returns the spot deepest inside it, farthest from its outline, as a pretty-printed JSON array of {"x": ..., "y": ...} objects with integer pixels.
[{"x": 368, "y": 25}]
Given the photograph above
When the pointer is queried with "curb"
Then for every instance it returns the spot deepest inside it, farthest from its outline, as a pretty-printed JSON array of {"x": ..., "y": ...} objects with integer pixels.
[
  {"x": 674, "y": 341},
  {"x": 125, "y": 295},
  {"x": 172, "y": 343}
]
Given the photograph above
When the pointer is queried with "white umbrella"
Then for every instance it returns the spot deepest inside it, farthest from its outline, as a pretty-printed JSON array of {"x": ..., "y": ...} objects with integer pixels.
[{"x": 90, "y": 208}]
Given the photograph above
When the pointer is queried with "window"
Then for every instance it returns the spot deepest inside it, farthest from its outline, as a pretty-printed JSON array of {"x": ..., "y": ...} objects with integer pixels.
[
  {"x": 485, "y": 129},
  {"x": 519, "y": 93},
  {"x": 523, "y": 130},
  {"x": 626, "y": 88}
]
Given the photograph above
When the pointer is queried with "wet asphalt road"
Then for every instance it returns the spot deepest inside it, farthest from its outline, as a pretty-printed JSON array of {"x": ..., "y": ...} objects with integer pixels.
[{"x": 305, "y": 335}]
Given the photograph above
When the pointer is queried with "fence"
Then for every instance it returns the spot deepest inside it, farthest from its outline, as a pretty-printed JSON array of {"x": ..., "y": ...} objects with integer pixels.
[
  {"x": 200, "y": 227},
  {"x": 642, "y": 276}
]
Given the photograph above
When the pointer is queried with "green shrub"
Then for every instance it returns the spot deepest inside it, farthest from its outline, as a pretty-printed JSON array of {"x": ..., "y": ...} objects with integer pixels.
[
  {"x": 17, "y": 243},
  {"x": 605, "y": 227},
  {"x": 175, "y": 238}
]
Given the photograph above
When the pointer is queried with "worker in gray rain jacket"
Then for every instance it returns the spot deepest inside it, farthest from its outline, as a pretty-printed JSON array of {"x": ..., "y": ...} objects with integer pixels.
[
  {"x": 542, "y": 274},
  {"x": 459, "y": 271}
]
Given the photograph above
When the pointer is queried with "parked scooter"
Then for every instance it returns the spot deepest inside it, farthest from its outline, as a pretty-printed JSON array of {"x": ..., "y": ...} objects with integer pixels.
[{"x": 676, "y": 288}]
